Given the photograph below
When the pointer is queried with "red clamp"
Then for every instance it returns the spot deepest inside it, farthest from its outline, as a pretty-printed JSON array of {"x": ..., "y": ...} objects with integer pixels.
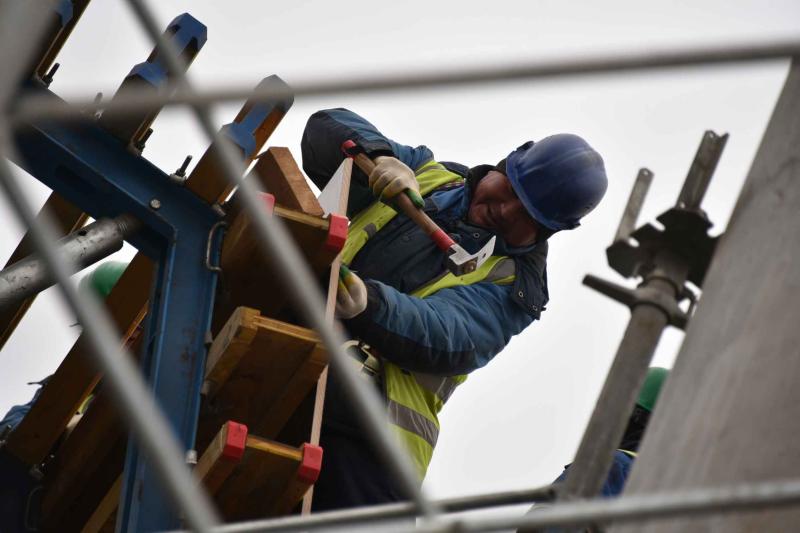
[
  {"x": 311, "y": 464},
  {"x": 268, "y": 201},
  {"x": 235, "y": 441},
  {"x": 337, "y": 232},
  {"x": 350, "y": 148}
]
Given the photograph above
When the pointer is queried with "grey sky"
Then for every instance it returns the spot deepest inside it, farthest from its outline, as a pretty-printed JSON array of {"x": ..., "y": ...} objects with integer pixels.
[{"x": 517, "y": 422}]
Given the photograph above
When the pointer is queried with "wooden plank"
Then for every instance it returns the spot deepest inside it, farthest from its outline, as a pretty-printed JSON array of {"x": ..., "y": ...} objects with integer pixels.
[
  {"x": 259, "y": 482},
  {"x": 76, "y": 377},
  {"x": 268, "y": 374},
  {"x": 102, "y": 519},
  {"x": 295, "y": 390},
  {"x": 96, "y": 444},
  {"x": 249, "y": 278},
  {"x": 228, "y": 348},
  {"x": 340, "y": 208},
  {"x": 277, "y": 170},
  {"x": 66, "y": 218},
  {"x": 222, "y": 456},
  {"x": 207, "y": 180},
  {"x": 302, "y": 483},
  {"x": 78, "y": 7},
  {"x": 87, "y": 462},
  {"x": 213, "y": 468}
]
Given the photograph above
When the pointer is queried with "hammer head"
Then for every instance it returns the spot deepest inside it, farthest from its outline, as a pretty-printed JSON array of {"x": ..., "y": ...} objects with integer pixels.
[{"x": 461, "y": 262}]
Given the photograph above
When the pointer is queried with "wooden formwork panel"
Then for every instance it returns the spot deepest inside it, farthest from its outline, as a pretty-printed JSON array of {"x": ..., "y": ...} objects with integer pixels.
[{"x": 258, "y": 372}]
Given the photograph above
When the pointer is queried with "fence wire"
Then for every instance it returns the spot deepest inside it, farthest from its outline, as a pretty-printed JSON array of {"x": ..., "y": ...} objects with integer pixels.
[{"x": 150, "y": 426}]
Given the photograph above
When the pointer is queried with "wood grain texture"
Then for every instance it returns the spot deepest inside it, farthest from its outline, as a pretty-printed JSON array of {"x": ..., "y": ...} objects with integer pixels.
[
  {"x": 208, "y": 180},
  {"x": 267, "y": 377},
  {"x": 213, "y": 468},
  {"x": 75, "y": 378},
  {"x": 280, "y": 175},
  {"x": 330, "y": 308},
  {"x": 260, "y": 480},
  {"x": 250, "y": 279}
]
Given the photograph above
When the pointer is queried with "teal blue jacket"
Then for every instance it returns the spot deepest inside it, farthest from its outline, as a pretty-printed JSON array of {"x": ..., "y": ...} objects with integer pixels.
[{"x": 455, "y": 330}]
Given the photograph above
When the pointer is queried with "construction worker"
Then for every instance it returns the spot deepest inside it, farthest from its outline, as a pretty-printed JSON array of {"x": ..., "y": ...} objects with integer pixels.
[
  {"x": 421, "y": 330},
  {"x": 634, "y": 432}
]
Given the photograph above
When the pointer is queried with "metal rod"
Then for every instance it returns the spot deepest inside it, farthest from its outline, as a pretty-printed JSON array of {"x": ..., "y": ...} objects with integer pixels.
[
  {"x": 294, "y": 271},
  {"x": 84, "y": 247},
  {"x": 726, "y": 499},
  {"x": 124, "y": 380},
  {"x": 602, "y": 511},
  {"x": 37, "y": 107},
  {"x": 588, "y": 472},
  {"x": 702, "y": 170},
  {"x": 388, "y": 511},
  {"x": 634, "y": 206}
]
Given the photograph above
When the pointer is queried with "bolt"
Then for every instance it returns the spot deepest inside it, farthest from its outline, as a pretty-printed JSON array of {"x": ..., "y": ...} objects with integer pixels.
[
  {"x": 182, "y": 171},
  {"x": 179, "y": 176},
  {"x": 155, "y": 203},
  {"x": 48, "y": 78},
  {"x": 141, "y": 142}
]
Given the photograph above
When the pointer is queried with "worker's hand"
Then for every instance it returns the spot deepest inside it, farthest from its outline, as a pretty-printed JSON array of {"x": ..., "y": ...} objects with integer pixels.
[
  {"x": 351, "y": 298},
  {"x": 390, "y": 177}
]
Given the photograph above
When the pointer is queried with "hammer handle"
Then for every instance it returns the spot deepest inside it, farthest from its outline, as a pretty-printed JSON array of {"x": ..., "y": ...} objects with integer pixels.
[{"x": 437, "y": 234}]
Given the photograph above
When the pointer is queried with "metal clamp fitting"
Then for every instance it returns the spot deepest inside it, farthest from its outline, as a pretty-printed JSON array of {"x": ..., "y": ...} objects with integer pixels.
[{"x": 214, "y": 228}]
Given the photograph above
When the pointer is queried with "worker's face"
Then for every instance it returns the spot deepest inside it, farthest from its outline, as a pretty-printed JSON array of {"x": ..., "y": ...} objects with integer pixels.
[{"x": 495, "y": 206}]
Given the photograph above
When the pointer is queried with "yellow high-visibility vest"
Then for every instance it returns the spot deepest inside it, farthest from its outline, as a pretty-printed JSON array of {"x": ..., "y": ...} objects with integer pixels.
[{"x": 414, "y": 399}]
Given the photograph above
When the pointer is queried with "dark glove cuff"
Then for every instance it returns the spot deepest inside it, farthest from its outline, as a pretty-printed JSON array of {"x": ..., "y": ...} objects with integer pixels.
[{"x": 362, "y": 321}]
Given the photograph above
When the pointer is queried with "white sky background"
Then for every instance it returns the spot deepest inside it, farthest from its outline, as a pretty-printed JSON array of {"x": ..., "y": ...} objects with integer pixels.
[{"x": 515, "y": 423}]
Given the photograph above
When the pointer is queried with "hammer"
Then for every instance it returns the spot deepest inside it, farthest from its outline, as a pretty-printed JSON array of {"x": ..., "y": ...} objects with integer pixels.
[{"x": 459, "y": 261}]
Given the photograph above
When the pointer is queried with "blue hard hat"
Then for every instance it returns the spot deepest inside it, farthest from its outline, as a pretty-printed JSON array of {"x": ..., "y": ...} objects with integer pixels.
[{"x": 559, "y": 179}]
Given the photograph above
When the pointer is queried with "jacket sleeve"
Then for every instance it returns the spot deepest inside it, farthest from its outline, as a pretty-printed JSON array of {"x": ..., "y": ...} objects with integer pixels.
[
  {"x": 321, "y": 149},
  {"x": 453, "y": 331}
]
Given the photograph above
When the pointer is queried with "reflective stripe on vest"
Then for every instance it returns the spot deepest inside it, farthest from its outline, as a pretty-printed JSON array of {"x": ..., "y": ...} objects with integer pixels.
[{"x": 414, "y": 399}]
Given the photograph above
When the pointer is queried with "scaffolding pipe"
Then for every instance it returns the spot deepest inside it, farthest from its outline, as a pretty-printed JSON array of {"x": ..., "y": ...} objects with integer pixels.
[
  {"x": 649, "y": 317},
  {"x": 40, "y": 107},
  {"x": 82, "y": 248},
  {"x": 376, "y": 513},
  {"x": 602, "y": 511},
  {"x": 736, "y": 498}
]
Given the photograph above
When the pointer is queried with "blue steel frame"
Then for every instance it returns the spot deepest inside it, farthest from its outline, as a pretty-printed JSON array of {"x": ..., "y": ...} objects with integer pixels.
[{"x": 97, "y": 173}]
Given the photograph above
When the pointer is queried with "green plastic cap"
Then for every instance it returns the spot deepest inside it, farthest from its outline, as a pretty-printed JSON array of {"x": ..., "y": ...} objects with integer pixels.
[
  {"x": 103, "y": 278},
  {"x": 652, "y": 387}
]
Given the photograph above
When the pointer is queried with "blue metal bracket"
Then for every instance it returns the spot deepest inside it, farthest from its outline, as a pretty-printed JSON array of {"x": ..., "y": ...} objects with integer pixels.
[
  {"x": 92, "y": 169},
  {"x": 242, "y": 131},
  {"x": 188, "y": 35}
]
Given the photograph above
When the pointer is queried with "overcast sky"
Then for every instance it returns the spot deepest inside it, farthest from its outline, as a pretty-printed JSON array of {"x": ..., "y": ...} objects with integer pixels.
[{"x": 515, "y": 423}]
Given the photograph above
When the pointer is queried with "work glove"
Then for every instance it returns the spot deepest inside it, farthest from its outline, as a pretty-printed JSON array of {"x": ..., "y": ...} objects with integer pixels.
[
  {"x": 351, "y": 298},
  {"x": 390, "y": 177}
]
